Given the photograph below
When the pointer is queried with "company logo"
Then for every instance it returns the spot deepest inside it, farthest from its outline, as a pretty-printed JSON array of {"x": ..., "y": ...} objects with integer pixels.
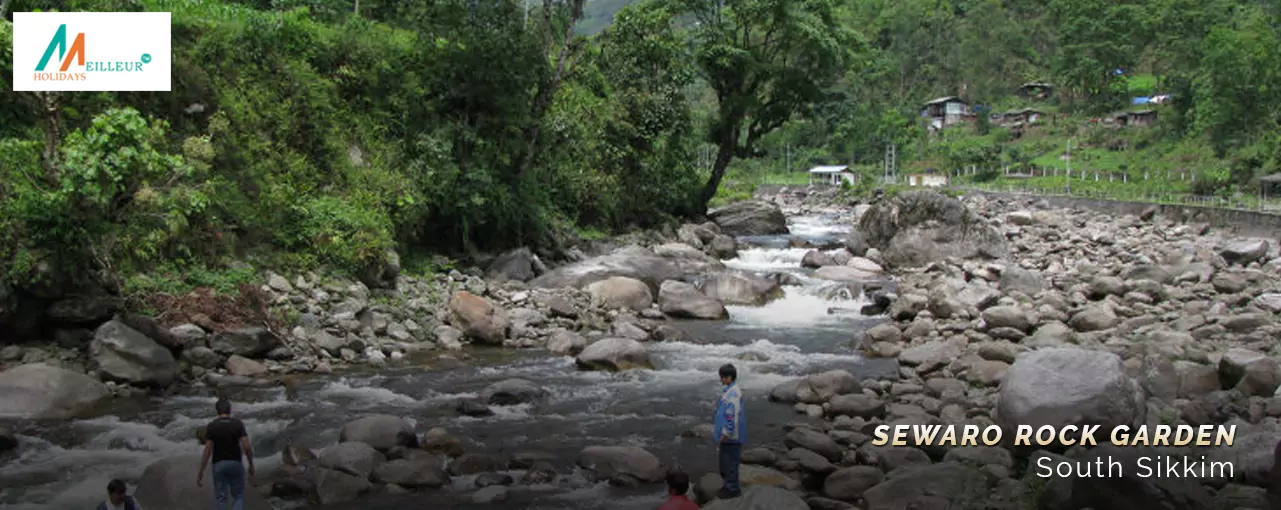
[{"x": 92, "y": 51}]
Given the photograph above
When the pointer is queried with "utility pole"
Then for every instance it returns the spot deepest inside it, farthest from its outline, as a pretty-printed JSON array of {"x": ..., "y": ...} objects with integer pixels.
[
  {"x": 891, "y": 161},
  {"x": 1067, "y": 188}
]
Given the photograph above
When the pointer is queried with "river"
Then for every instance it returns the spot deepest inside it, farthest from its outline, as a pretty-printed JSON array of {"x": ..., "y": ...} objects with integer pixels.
[{"x": 68, "y": 465}]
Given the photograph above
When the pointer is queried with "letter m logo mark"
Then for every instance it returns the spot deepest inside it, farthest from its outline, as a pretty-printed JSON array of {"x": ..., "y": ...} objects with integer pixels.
[{"x": 59, "y": 43}]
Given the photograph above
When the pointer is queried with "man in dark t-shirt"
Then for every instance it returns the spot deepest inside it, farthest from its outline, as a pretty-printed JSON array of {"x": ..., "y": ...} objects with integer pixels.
[{"x": 225, "y": 440}]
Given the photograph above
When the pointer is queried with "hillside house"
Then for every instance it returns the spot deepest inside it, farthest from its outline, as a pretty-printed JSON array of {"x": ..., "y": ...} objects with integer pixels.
[
  {"x": 946, "y": 111},
  {"x": 1016, "y": 118},
  {"x": 832, "y": 175},
  {"x": 1141, "y": 118},
  {"x": 1036, "y": 90}
]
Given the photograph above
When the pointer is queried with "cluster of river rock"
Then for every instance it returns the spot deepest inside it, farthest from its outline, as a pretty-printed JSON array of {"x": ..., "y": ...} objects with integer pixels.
[{"x": 1002, "y": 311}]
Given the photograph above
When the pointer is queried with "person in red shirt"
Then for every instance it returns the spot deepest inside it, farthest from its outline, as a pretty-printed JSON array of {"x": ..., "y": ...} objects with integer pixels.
[{"x": 677, "y": 486}]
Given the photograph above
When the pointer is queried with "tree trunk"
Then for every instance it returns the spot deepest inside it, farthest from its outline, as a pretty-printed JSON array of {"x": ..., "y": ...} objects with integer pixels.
[
  {"x": 724, "y": 155},
  {"x": 51, "y": 105},
  {"x": 4, "y": 9},
  {"x": 566, "y": 61}
]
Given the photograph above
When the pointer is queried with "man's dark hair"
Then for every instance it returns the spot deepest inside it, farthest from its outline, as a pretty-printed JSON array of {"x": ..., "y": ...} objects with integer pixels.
[
  {"x": 729, "y": 371},
  {"x": 678, "y": 482},
  {"x": 223, "y": 406},
  {"x": 116, "y": 486}
]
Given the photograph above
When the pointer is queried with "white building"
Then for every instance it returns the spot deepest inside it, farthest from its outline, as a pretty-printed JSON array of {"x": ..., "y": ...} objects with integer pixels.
[
  {"x": 927, "y": 180},
  {"x": 832, "y": 175}
]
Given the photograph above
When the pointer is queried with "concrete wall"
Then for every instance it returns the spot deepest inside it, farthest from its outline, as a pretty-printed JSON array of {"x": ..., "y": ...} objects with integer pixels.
[{"x": 1243, "y": 223}]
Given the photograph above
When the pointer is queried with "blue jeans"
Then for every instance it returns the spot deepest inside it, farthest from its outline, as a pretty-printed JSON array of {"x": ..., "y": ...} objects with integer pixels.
[
  {"x": 730, "y": 456},
  {"x": 229, "y": 477}
]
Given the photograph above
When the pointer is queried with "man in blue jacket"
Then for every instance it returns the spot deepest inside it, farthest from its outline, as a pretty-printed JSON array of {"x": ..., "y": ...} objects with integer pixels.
[{"x": 730, "y": 432}]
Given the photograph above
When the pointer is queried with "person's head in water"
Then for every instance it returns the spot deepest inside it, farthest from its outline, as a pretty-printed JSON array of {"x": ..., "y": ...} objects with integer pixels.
[
  {"x": 677, "y": 483},
  {"x": 223, "y": 406},
  {"x": 728, "y": 374},
  {"x": 116, "y": 492}
]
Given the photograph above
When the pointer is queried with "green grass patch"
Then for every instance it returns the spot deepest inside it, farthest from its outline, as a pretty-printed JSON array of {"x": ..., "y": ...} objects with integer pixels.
[
  {"x": 1141, "y": 85},
  {"x": 175, "y": 280}
]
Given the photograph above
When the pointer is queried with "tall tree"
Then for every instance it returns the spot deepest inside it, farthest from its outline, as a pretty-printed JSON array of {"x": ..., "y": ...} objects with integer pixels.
[
  {"x": 1097, "y": 37},
  {"x": 767, "y": 60}
]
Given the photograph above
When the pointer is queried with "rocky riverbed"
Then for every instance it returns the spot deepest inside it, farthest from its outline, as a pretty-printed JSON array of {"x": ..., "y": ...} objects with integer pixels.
[{"x": 577, "y": 385}]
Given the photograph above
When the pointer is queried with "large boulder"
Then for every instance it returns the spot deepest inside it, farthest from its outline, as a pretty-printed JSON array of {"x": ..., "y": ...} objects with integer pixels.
[
  {"x": 381, "y": 431},
  {"x": 353, "y": 458},
  {"x": 816, "y": 388},
  {"x": 170, "y": 483},
  {"x": 683, "y": 300},
  {"x": 689, "y": 259},
  {"x": 761, "y": 497},
  {"x": 944, "y": 485},
  {"x": 1244, "y": 251},
  {"x": 741, "y": 289},
  {"x": 478, "y": 319},
  {"x": 614, "y": 354},
  {"x": 621, "y": 292},
  {"x": 84, "y": 309},
  {"x": 915, "y": 228},
  {"x": 612, "y": 461},
  {"x": 42, "y": 392},
  {"x": 631, "y": 261},
  {"x": 520, "y": 265},
  {"x": 250, "y": 342},
  {"x": 512, "y": 392},
  {"x": 122, "y": 354},
  {"x": 418, "y": 472},
  {"x": 1069, "y": 386},
  {"x": 750, "y": 218},
  {"x": 1136, "y": 484}
]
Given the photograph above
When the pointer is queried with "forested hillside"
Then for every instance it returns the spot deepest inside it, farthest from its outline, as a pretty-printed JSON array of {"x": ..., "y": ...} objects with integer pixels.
[{"x": 323, "y": 132}]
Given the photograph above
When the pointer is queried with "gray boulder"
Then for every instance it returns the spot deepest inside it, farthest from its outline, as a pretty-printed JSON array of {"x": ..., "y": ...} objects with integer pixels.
[
  {"x": 682, "y": 300},
  {"x": 512, "y": 392},
  {"x": 918, "y": 227},
  {"x": 380, "y": 431},
  {"x": 122, "y": 354},
  {"x": 631, "y": 261},
  {"x": 611, "y": 461},
  {"x": 943, "y": 485},
  {"x": 419, "y": 472},
  {"x": 1244, "y": 251},
  {"x": 519, "y": 265},
  {"x": 741, "y": 289},
  {"x": 170, "y": 483},
  {"x": 250, "y": 342},
  {"x": 1069, "y": 386},
  {"x": 42, "y": 392},
  {"x": 357, "y": 459},
  {"x": 750, "y": 218},
  {"x": 614, "y": 354}
]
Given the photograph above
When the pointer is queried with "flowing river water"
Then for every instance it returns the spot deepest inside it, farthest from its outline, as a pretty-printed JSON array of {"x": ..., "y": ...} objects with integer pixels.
[{"x": 68, "y": 465}]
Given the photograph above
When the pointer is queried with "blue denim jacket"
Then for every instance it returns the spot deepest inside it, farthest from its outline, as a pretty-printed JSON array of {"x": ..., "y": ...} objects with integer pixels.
[{"x": 730, "y": 422}]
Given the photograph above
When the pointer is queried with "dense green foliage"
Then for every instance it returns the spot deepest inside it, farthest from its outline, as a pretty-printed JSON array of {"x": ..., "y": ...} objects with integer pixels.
[
  {"x": 328, "y": 132},
  {"x": 304, "y": 131}
]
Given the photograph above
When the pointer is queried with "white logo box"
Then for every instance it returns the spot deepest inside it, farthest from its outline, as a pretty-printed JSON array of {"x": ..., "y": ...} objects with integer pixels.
[{"x": 92, "y": 51}]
